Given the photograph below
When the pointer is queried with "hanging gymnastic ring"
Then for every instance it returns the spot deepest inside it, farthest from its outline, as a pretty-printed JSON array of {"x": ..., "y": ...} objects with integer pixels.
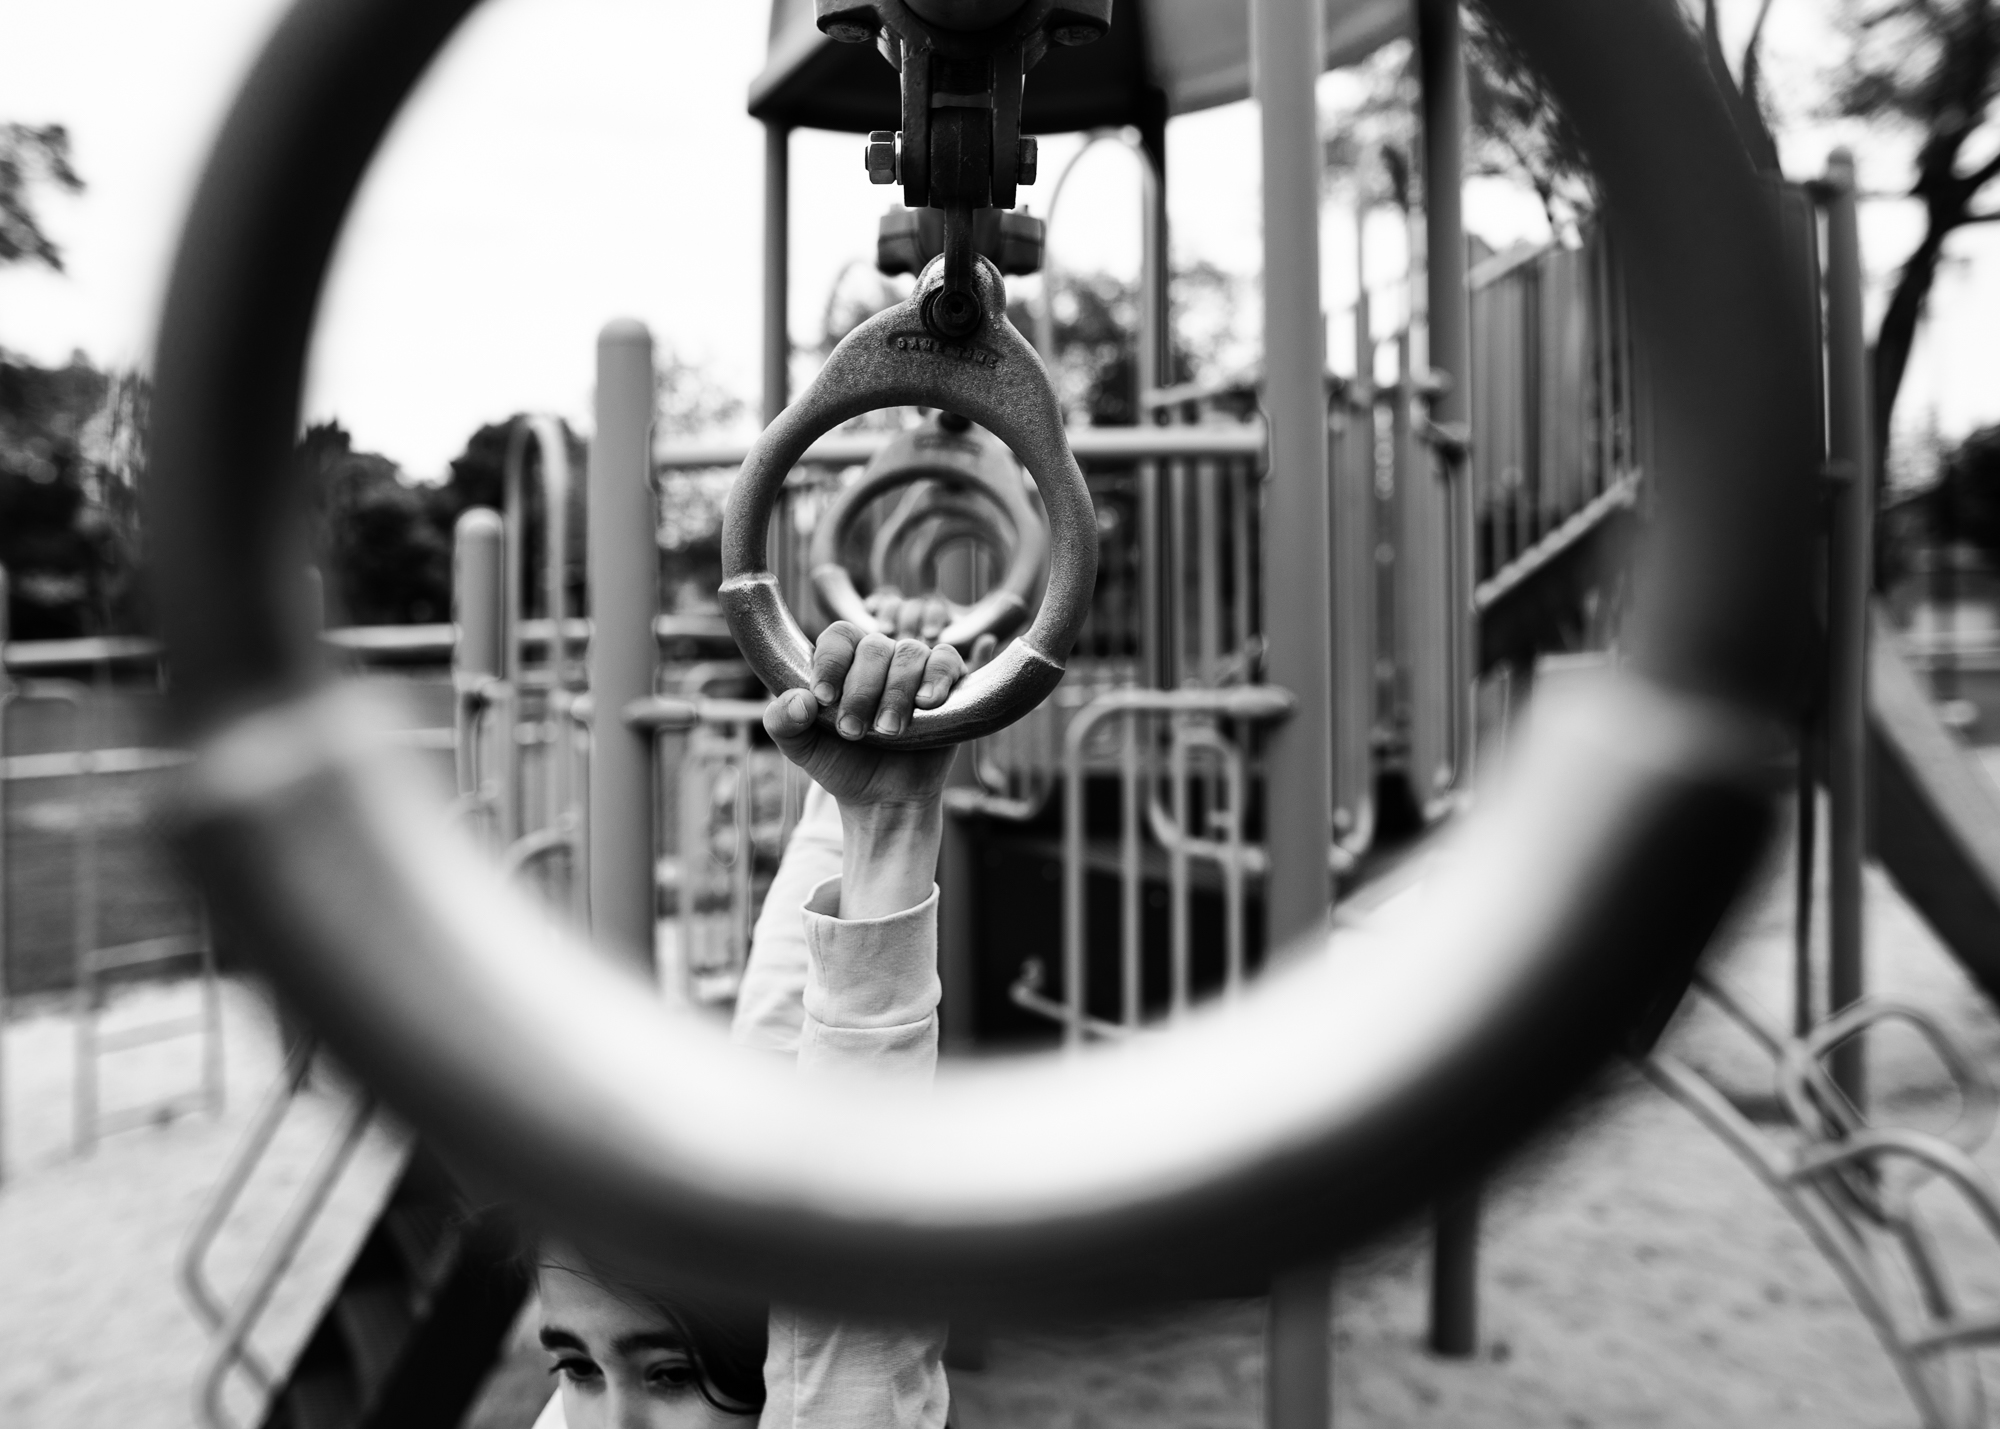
[
  {"x": 911, "y": 539},
  {"x": 992, "y": 377},
  {"x": 1337, "y": 1096},
  {"x": 971, "y": 461}
]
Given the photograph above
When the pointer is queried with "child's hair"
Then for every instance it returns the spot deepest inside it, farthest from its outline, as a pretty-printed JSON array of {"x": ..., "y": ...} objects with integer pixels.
[{"x": 725, "y": 1342}]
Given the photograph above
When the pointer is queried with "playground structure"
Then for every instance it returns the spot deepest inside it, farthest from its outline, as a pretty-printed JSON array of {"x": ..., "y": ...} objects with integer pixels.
[{"x": 1207, "y": 723}]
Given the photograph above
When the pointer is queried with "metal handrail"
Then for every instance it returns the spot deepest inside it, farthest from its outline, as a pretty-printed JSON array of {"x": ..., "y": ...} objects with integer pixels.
[
  {"x": 1246, "y": 702},
  {"x": 231, "y": 1345},
  {"x": 191, "y": 1270},
  {"x": 1840, "y": 1153}
]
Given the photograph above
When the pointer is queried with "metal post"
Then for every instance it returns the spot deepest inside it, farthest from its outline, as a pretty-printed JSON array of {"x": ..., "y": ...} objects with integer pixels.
[
  {"x": 1351, "y": 469},
  {"x": 478, "y": 654},
  {"x": 1155, "y": 364},
  {"x": 1850, "y": 557},
  {"x": 623, "y": 591},
  {"x": 780, "y": 544},
  {"x": 83, "y": 921},
  {"x": 1440, "y": 51},
  {"x": 1441, "y": 61},
  {"x": 6, "y": 906},
  {"x": 1153, "y": 369},
  {"x": 1285, "y": 51},
  {"x": 1298, "y": 1371},
  {"x": 777, "y": 269},
  {"x": 1804, "y": 879}
]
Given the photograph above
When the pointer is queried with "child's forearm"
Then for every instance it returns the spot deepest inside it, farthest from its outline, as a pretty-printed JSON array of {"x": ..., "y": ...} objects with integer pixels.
[{"x": 888, "y": 857}]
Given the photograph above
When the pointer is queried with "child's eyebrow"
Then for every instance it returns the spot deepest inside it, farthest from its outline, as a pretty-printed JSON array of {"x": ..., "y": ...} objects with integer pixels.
[
  {"x": 554, "y": 1337},
  {"x": 650, "y": 1340}
]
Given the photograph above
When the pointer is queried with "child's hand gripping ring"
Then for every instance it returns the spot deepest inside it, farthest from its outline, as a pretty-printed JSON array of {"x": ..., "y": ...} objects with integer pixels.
[{"x": 992, "y": 377}]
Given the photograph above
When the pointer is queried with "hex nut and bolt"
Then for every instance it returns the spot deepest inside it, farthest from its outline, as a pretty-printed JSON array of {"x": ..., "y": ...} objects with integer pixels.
[
  {"x": 881, "y": 156},
  {"x": 1027, "y": 162}
]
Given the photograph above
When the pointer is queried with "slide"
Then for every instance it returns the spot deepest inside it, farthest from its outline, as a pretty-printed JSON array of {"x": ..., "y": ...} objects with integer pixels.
[{"x": 1935, "y": 814}]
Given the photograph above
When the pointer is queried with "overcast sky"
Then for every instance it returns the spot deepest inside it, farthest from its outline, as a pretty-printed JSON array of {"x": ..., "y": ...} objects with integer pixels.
[{"x": 568, "y": 161}]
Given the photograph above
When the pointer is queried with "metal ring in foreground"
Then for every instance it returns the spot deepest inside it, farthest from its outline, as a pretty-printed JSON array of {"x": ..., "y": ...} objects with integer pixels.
[
  {"x": 994, "y": 378},
  {"x": 971, "y": 461},
  {"x": 1347, "y": 1088}
]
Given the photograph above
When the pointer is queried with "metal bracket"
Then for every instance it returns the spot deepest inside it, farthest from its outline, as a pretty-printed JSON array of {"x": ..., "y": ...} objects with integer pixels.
[{"x": 964, "y": 65}]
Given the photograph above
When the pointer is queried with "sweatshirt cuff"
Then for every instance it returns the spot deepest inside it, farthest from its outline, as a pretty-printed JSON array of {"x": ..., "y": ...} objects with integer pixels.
[{"x": 870, "y": 972}]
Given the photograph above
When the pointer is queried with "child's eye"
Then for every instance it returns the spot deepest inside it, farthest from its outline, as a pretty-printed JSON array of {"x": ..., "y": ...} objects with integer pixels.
[
  {"x": 671, "y": 1375},
  {"x": 575, "y": 1370}
]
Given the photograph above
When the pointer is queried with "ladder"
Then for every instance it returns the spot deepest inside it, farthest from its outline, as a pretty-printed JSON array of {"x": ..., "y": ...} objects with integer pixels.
[{"x": 417, "y": 1320}]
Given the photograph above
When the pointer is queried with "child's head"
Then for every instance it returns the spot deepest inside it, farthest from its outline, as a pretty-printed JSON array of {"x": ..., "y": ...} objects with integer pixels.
[{"x": 627, "y": 1357}]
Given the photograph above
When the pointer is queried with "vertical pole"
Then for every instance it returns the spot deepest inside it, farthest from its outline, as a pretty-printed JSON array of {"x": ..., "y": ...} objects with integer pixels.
[
  {"x": 1850, "y": 556},
  {"x": 1351, "y": 469},
  {"x": 1154, "y": 369},
  {"x": 6, "y": 906},
  {"x": 1285, "y": 49},
  {"x": 513, "y": 566},
  {"x": 1155, "y": 364},
  {"x": 476, "y": 657},
  {"x": 777, "y": 269},
  {"x": 1441, "y": 62},
  {"x": 1804, "y": 877},
  {"x": 782, "y": 540},
  {"x": 83, "y": 921},
  {"x": 1298, "y": 1373},
  {"x": 623, "y": 590}
]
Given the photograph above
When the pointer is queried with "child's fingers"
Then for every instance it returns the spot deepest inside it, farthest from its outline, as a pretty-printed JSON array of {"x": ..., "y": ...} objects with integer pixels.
[
  {"x": 883, "y": 602},
  {"x": 937, "y": 615},
  {"x": 909, "y": 619},
  {"x": 833, "y": 655},
  {"x": 942, "y": 669},
  {"x": 789, "y": 720},
  {"x": 866, "y": 678},
  {"x": 899, "y": 693},
  {"x": 983, "y": 649}
]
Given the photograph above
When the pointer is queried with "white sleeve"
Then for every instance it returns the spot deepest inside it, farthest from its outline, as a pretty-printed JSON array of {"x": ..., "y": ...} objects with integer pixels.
[
  {"x": 869, "y": 1008},
  {"x": 770, "y": 1004}
]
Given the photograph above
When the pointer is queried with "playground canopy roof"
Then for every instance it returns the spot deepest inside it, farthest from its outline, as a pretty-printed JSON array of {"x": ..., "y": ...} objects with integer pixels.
[{"x": 1194, "y": 52}]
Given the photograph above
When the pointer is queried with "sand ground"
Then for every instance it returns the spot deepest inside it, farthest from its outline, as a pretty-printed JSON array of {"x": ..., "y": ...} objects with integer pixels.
[{"x": 1634, "y": 1273}]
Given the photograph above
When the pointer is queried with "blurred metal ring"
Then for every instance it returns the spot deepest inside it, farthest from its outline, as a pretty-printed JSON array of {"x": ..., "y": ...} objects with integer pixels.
[
  {"x": 970, "y": 461},
  {"x": 1343, "y": 1092}
]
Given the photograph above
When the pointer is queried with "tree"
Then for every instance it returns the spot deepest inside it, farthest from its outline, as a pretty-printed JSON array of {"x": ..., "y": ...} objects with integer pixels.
[
  {"x": 1932, "y": 68},
  {"x": 1519, "y": 131},
  {"x": 31, "y": 156},
  {"x": 381, "y": 554}
]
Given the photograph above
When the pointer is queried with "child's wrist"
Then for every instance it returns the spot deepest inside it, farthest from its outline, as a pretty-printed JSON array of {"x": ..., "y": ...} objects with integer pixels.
[{"x": 889, "y": 857}]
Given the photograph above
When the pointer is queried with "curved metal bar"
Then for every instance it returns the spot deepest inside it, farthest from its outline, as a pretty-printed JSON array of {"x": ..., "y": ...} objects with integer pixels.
[
  {"x": 919, "y": 519},
  {"x": 971, "y": 461},
  {"x": 992, "y": 378},
  {"x": 1341, "y": 1092}
]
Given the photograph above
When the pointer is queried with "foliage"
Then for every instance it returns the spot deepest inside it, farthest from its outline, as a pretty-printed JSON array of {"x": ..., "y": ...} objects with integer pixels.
[
  {"x": 1373, "y": 143},
  {"x": 31, "y": 156},
  {"x": 1961, "y": 508},
  {"x": 71, "y": 454},
  {"x": 1518, "y": 129},
  {"x": 384, "y": 556},
  {"x": 1932, "y": 69}
]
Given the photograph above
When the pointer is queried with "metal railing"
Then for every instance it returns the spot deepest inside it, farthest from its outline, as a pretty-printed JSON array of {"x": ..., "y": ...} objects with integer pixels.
[
  {"x": 1184, "y": 823},
  {"x": 1851, "y": 1185},
  {"x": 92, "y": 962}
]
